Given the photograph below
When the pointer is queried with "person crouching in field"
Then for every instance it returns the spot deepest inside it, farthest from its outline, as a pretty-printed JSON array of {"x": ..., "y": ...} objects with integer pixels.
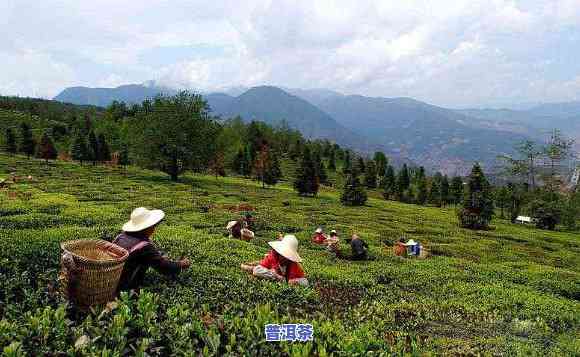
[
  {"x": 319, "y": 237},
  {"x": 282, "y": 263},
  {"x": 143, "y": 254},
  {"x": 332, "y": 243},
  {"x": 359, "y": 248},
  {"x": 241, "y": 229}
]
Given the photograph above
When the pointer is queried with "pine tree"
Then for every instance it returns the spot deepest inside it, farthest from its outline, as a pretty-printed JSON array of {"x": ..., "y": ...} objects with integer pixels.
[
  {"x": 402, "y": 184},
  {"x": 273, "y": 172},
  {"x": 124, "y": 156},
  {"x": 306, "y": 182},
  {"x": 371, "y": 175},
  {"x": 93, "y": 148},
  {"x": 332, "y": 160},
  {"x": 381, "y": 163},
  {"x": 354, "y": 193},
  {"x": 239, "y": 162},
  {"x": 347, "y": 164},
  {"x": 456, "y": 190},
  {"x": 27, "y": 144},
  {"x": 103, "y": 146},
  {"x": 361, "y": 166},
  {"x": 477, "y": 210},
  {"x": 445, "y": 190},
  {"x": 435, "y": 190},
  {"x": 46, "y": 150},
  {"x": 320, "y": 170},
  {"x": 403, "y": 180},
  {"x": 389, "y": 182},
  {"x": 422, "y": 192},
  {"x": 248, "y": 162},
  {"x": 10, "y": 145},
  {"x": 79, "y": 150}
]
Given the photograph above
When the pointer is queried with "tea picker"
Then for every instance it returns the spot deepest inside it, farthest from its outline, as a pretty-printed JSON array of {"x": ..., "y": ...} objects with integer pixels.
[{"x": 94, "y": 271}]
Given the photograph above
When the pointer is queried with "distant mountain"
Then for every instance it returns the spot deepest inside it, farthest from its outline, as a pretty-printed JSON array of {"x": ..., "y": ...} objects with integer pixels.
[
  {"x": 130, "y": 94},
  {"x": 438, "y": 138},
  {"x": 273, "y": 105}
]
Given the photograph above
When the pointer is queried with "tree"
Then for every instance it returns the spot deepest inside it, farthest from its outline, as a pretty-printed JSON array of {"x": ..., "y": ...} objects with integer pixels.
[
  {"x": 389, "y": 182},
  {"x": 273, "y": 172},
  {"x": 361, "y": 166},
  {"x": 502, "y": 199},
  {"x": 176, "y": 134},
  {"x": 27, "y": 144},
  {"x": 402, "y": 185},
  {"x": 525, "y": 166},
  {"x": 445, "y": 190},
  {"x": 46, "y": 150},
  {"x": 248, "y": 162},
  {"x": 547, "y": 213},
  {"x": 332, "y": 160},
  {"x": 477, "y": 210},
  {"x": 371, "y": 175},
  {"x": 403, "y": 180},
  {"x": 456, "y": 190},
  {"x": 571, "y": 211},
  {"x": 10, "y": 145},
  {"x": 353, "y": 193},
  {"x": 217, "y": 166},
  {"x": 320, "y": 170},
  {"x": 381, "y": 163},
  {"x": 435, "y": 190},
  {"x": 239, "y": 163},
  {"x": 93, "y": 147},
  {"x": 515, "y": 197},
  {"x": 306, "y": 182},
  {"x": 124, "y": 156},
  {"x": 558, "y": 149},
  {"x": 79, "y": 150},
  {"x": 347, "y": 165},
  {"x": 422, "y": 192},
  {"x": 104, "y": 153}
]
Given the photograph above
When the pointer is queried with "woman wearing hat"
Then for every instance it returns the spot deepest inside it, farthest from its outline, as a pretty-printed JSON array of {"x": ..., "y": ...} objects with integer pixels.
[
  {"x": 143, "y": 254},
  {"x": 282, "y": 263},
  {"x": 319, "y": 237}
]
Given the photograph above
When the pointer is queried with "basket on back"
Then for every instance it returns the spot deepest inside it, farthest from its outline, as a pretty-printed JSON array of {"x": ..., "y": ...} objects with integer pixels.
[{"x": 90, "y": 271}]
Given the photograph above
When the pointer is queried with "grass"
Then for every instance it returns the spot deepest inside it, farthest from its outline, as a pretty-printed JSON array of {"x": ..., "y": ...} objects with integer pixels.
[{"x": 510, "y": 290}]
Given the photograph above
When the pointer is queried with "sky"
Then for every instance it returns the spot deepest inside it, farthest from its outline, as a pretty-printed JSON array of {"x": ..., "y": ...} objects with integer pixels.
[{"x": 455, "y": 53}]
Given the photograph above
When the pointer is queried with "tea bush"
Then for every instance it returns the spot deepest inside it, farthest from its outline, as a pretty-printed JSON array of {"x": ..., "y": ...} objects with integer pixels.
[{"x": 510, "y": 290}]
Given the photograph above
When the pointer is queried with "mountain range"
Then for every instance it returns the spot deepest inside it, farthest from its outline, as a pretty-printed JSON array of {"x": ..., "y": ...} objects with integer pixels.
[{"x": 441, "y": 139}]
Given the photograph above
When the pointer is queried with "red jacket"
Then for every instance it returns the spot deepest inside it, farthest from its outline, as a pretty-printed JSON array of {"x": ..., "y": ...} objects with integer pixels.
[
  {"x": 318, "y": 238},
  {"x": 293, "y": 269}
]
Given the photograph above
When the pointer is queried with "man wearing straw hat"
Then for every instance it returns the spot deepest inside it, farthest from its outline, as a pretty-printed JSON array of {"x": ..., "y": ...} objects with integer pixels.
[
  {"x": 282, "y": 263},
  {"x": 143, "y": 254}
]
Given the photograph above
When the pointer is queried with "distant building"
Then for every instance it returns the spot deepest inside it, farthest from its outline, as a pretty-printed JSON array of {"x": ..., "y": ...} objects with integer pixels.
[{"x": 524, "y": 220}]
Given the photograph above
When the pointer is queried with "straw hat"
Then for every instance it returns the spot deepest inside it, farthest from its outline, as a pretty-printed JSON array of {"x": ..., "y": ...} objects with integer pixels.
[
  {"x": 287, "y": 247},
  {"x": 333, "y": 231},
  {"x": 231, "y": 224},
  {"x": 411, "y": 242},
  {"x": 142, "y": 218},
  {"x": 318, "y": 230}
]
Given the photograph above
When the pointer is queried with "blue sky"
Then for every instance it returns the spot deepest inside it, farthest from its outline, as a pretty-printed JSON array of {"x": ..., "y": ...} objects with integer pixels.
[{"x": 447, "y": 52}]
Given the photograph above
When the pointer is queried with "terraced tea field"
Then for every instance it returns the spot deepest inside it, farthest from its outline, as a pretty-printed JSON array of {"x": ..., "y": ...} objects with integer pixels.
[{"x": 510, "y": 290}]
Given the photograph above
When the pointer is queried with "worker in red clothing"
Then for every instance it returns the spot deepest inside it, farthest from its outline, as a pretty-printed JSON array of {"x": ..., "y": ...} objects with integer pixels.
[
  {"x": 282, "y": 263},
  {"x": 319, "y": 237}
]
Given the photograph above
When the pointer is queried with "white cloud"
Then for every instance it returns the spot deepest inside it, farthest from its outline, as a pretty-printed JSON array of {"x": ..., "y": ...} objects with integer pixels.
[{"x": 448, "y": 52}]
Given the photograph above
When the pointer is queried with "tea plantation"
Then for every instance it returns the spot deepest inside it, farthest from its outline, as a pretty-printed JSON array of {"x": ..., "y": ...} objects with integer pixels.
[{"x": 512, "y": 290}]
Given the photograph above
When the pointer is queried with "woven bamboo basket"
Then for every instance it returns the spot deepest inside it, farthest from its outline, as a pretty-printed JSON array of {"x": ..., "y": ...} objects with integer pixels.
[{"x": 90, "y": 271}]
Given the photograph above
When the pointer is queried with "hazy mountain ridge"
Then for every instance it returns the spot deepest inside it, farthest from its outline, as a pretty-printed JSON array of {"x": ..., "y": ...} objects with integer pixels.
[{"x": 439, "y": 138}]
